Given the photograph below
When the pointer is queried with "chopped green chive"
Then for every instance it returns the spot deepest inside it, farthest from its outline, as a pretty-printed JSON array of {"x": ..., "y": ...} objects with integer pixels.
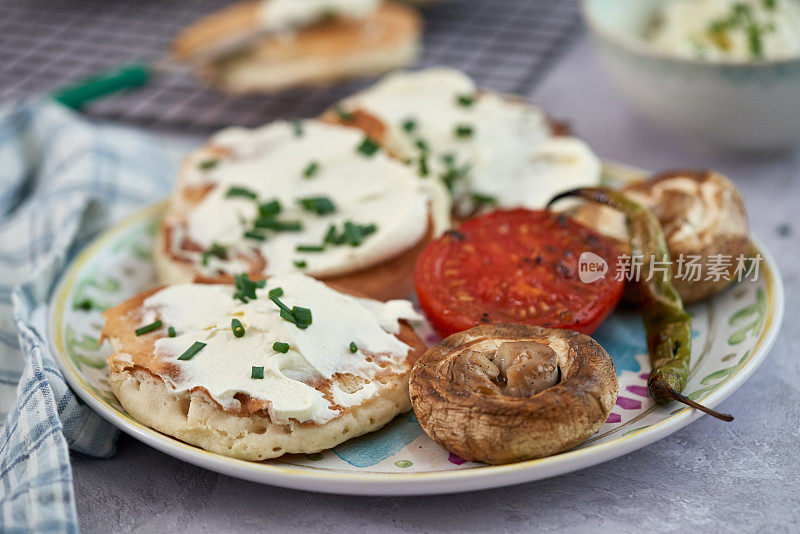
[
  {"x": 423, "y": 165},
  {"x": 352, "y": 233},
  {"x": 356, "y": 233},
  {"x": 237, "y": 328},
  {"x": 217, "y": 251},
  {"x": 344, "y": 114},
  {"x": 718, "y": 27},
  {"x": 208, "y": 164},
  {"x": 246, "y": 288},
  {"x": 463, "y": 130},
  {"x": 279, "y": 226},
  {"x": 756, "y": 42},
  {"x": 311, "y": 169},
  {"x": 237, "y": 191},
  {"x": 146, "y": 329},
  {"x": 453, "y": 172},
  {"x": 277, "y": 292},
  {"x": 310, "y": 248},
  {"x": 409, "y": 125},
  {"x": 289, "y": 226},
  {"x": 318, "y": 205},
  {"x": 171, "y": 331},
  {"x": 480, "y": 198},
  {"x": 257, "y": 372},
  {"x": 422, "y": 145},
  {"x": 288, "y": 316},
  {"x": 297, "y": 126},
  {"x": 255, "y": 234},
  {"x": 280, "y": 346},
  {"x": 368, "y": 147},
  {"x": 269, "y": 209},
  {"x": 742, "y": 17},
  {"x": 274, "y": 296},
  {"x": 190, "y": 353},
  {"x": 300, "y": 264},
  {"x": 331, "y": 234},
  {"x": 465, "y": 100},
  {"x": 302, "y": 317},
  {"x": 353, "y": 347}
]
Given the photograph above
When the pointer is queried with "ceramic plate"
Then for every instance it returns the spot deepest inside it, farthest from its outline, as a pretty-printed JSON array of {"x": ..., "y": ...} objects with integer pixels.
[{"x": 732, "y": 335}]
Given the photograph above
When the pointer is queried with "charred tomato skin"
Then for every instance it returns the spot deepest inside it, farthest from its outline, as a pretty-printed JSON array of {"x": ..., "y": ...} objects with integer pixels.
[{"x": 516, "y": 266}]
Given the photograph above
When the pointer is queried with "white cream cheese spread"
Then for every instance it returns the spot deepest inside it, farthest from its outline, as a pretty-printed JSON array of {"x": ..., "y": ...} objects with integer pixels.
[
  {"x": 308, "y": 196},
  {"x": 343, "y": 332},
  {"x": 728, "y": 30},
  {"x": 288, "y": 15},
  {"x": 485, "y": 146}
]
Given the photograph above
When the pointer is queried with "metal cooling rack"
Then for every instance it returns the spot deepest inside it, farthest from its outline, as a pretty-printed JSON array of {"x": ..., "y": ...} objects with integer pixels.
[{"x": 506, "y": 45}]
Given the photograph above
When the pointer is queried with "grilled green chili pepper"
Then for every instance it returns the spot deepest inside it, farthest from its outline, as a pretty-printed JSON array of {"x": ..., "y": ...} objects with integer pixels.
[{"x": 667, "y": 325}]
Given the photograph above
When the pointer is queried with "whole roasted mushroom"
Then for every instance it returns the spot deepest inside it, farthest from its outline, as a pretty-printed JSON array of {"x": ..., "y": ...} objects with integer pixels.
[
  {"x": 508, "y": 392},
  {"x": 704, "y": 222}
]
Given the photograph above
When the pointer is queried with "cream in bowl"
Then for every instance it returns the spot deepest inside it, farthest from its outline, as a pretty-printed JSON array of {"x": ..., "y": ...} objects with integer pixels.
[
  {"x": 727, "y": 30},
  {"x": 725, "y": 73}
]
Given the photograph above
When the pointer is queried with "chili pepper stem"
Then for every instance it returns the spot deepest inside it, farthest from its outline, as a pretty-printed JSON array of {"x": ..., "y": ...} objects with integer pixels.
[{"x": 686, "y": 400}]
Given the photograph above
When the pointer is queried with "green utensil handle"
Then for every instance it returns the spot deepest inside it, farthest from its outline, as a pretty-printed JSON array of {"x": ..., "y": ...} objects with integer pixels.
[{"x": 126, "y": 77}]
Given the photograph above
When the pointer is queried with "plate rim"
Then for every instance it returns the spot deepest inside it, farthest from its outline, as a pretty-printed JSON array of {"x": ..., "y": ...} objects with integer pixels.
[{"x": 417, "y": 483}]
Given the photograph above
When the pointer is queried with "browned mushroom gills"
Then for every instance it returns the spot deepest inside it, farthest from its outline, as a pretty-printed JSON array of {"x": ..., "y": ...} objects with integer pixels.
[
  {"x": 516, "y": 368},
  {"x": 505, "y": 393}
]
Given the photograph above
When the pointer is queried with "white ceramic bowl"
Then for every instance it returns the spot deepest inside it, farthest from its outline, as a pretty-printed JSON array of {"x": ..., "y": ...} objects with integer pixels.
[{"x": 752, "y": 106}]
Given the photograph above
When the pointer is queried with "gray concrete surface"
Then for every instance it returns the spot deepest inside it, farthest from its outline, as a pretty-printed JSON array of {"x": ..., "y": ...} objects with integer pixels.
[{"x": 711, "y": 476}]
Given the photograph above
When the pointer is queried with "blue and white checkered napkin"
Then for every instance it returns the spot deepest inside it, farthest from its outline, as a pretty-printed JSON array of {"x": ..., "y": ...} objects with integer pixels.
[{"x": 62, "y": 179}]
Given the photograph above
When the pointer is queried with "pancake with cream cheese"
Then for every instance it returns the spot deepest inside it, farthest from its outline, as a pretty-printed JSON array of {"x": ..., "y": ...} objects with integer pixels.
[
  {"x": 258, "y": 370},
  {"x": 268, "y": 45},
  {"x": 490, "y": 150},
  {"x": 302, "y": 196}
]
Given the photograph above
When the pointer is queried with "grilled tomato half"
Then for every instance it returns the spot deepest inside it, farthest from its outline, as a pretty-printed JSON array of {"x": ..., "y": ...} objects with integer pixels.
[{"x": 518, "y": 266}]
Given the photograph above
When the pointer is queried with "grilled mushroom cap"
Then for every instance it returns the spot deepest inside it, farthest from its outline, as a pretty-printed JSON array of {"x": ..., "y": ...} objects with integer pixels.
[
  {"x": 702, "y": 215},
  {"x": 507, "y": 392}
]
